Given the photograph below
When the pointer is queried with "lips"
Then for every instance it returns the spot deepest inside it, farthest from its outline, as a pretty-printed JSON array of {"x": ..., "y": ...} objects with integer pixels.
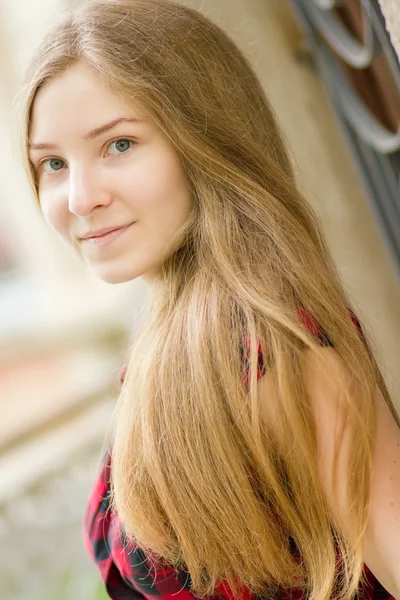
[
  {"x": 101, "y": 232},
  {"x": 91, "y": 237},
  {"x": 105, "y": 239}
]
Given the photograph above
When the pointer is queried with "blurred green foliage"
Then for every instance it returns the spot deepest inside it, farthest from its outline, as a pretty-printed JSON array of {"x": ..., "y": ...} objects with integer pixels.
[{"x": 101, "y": 593}]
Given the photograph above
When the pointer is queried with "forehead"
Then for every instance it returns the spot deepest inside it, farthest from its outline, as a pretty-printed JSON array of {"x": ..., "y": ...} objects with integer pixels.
[{"x": 75, "y": 100}]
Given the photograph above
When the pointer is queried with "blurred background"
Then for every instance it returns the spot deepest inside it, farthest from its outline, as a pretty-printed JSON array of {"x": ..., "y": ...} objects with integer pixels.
[{"x": 333, "y": 76}]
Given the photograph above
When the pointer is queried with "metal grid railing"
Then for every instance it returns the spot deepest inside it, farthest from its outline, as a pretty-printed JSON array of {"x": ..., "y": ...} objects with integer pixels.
[{"x": 361, "y": 72}]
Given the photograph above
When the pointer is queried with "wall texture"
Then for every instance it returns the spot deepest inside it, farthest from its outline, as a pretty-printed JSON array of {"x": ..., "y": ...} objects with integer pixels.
[{"x": 391, "y": 12}]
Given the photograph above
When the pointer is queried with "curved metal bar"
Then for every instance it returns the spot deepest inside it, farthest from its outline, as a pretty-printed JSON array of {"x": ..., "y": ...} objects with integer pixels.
[
  {"x": 342, "y": 41},
  {"x": 328, "y": 4},
  {"x": 374, "y": 168},
  {"x": 361, "y": 118},
  {"x": 378, "y": 171},
  {"x": 383, "y": 39}
]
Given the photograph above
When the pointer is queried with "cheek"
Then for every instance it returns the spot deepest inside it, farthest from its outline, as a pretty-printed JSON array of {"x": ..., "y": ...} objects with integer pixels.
[{"x": 53, "y": 212}]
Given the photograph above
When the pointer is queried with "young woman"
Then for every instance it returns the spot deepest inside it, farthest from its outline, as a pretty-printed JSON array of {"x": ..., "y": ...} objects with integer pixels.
[{"x": 256, "y": 448}]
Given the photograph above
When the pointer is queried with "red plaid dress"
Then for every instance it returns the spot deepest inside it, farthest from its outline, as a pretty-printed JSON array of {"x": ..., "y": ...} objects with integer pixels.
[{"x": 123, "y": 568}]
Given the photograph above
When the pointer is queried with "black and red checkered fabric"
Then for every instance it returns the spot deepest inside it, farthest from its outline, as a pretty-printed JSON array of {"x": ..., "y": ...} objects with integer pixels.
[{"x": 123, "y": 567}]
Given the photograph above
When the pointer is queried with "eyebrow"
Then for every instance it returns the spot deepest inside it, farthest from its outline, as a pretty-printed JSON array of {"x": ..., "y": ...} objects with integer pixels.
[{"x": 88, "y": 136}]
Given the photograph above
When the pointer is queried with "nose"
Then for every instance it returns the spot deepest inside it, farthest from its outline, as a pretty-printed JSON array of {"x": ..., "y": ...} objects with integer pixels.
[{"x": 86, "y": 191}]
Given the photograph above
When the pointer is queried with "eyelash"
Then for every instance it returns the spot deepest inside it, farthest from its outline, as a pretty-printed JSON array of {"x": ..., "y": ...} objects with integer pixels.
[{"x": 118, "y": 139}]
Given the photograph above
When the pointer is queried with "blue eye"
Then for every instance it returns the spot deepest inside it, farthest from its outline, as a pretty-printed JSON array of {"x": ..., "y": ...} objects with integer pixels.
[
  {"x": 122, "y": 145},
  {"x": 56, "y": 163},
  {"x": 52, "y": 165}
]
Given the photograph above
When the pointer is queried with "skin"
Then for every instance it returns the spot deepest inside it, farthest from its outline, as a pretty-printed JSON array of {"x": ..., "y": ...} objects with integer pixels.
[{"x": 127, "y": 174}]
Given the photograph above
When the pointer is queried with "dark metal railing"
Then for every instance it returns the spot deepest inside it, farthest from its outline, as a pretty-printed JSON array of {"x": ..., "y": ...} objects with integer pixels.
[{"x": 360, "y": 69}]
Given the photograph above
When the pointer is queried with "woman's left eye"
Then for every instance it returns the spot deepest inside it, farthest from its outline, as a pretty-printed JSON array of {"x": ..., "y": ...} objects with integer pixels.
[{"x": 121, "y": 145}]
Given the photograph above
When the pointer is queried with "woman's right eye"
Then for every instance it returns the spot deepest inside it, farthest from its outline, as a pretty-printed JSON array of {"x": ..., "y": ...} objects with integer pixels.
[{"x": 55, "y": 164}]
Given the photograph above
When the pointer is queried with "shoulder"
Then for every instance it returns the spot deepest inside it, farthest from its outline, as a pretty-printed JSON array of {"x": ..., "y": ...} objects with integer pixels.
[
  {"x": 329, "y": 414},
  {"x": 382, "y": 534},
  {"x": 333, "y": 438},
  {"x": 320, "y": 372}
]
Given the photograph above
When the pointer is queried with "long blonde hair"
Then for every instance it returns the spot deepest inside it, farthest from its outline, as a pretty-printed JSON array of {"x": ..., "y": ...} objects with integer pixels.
[{"x": 198, "y": 475}]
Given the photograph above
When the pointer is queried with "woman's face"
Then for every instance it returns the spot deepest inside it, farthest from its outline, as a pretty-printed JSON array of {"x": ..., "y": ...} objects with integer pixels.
[{"x": 99, "y": 167}]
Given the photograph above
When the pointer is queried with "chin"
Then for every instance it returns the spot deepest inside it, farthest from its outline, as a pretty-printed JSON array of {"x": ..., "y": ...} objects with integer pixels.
[
  {"x": 123, "y": 271},
  {"x": 115, "y": 276}
]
